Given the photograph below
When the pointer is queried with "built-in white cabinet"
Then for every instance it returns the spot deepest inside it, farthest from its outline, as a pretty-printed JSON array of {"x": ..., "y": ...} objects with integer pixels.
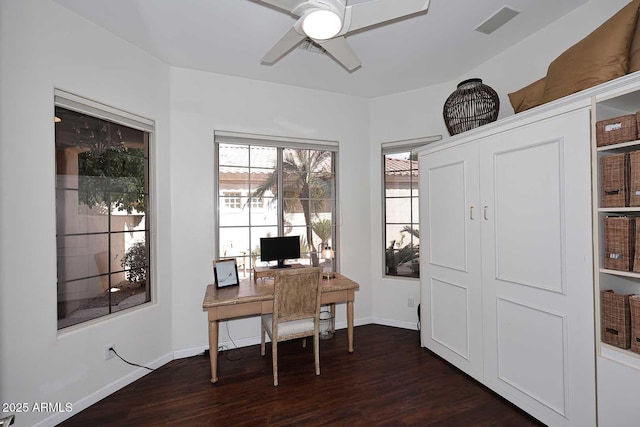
[{"x": 506, "y": 254}]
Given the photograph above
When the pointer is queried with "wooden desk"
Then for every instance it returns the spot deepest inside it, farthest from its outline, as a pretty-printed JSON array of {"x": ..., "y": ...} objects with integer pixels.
[{"x": 251, "y": 299}]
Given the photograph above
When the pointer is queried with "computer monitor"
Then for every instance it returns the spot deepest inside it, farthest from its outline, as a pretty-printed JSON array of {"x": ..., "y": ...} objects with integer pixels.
[{"x": 279, "y": 249}]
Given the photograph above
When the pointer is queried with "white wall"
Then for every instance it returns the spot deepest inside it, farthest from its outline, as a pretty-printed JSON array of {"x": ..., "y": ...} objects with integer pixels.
[
  {"x": 418, "y": 113},
  {"x": 42, "y": 47},
  {"x": 203, "y": 102}
]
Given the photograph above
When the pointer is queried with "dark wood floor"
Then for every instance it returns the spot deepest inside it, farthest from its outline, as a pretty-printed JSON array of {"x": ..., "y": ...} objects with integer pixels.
[{"x": 388, "y": 381}]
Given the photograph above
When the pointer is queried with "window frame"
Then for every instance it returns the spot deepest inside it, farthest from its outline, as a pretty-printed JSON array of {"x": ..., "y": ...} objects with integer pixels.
[
  {"x": 118, "y": 116},
  {"x": 280, "y": 143},
  {"x": 396, "y": 147}
]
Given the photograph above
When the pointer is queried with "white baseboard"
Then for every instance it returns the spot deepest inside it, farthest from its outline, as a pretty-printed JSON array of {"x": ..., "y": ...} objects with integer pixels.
[
  {"x": 89, "y": 400},
  {"x": 395, "y": 323},
  {"x": 190, "y": 352}
]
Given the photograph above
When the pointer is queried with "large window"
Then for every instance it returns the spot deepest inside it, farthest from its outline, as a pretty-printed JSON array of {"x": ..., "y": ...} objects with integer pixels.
[
  {"x": 283, "y": 187},
  {"x": 102, "y": 210},
  {"x": 401, "y": 204}
]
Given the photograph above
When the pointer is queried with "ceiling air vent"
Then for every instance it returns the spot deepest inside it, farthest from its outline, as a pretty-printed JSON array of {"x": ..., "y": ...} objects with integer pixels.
[{"x": 497, "y": 20}]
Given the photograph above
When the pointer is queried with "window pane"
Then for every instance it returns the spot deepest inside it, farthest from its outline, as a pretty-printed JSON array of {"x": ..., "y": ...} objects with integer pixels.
[
  {"x": 264, "y": 157},
  {"x": 233, "y": 155},
  {"x": 233, "y": 179},
  {"x": 233, "y": 210},
  {"x": 82, "y": 256},
  {"x": 234, "y": 241},
  {"x": 262, "y": 182},
  {"x": 101, "y": 196},
  {"x": 129, "y": 252},
  {"x": 264, "y": 212},
  {"x": 125, "y": 294},
  {"x": 76, "y": 300},
  {"x": 398, "y": 210},
  {"x": 73, "y": 218}
]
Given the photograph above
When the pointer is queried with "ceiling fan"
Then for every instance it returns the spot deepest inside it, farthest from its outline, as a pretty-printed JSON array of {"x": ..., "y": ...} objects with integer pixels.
[{"x": 326, "y": 22}]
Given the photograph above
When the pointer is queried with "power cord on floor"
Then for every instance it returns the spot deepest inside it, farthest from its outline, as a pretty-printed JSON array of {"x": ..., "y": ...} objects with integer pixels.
[
  {"x": 227, "y": 356},
  {"x": 127, "y": 362}
]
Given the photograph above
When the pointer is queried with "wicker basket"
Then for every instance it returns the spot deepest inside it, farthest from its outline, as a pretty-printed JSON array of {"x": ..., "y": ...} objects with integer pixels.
[
  {"x": 634, "y": 178},
  {"x": 636, "y": 252},
  {"x": 615, "y": 180},
  {"x": 616, "y": 130},
  {"x": 634, "y": 308},
  {"x": 615, "y": 319},
  {"x": 619, "y": 242}
]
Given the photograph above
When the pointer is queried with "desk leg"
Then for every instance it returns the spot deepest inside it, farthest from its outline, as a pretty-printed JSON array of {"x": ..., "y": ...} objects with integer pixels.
[
  {"x": 350, "y": 324},
  {"x": 213, "y": 349},
  {"x": 333, "y": 317}
]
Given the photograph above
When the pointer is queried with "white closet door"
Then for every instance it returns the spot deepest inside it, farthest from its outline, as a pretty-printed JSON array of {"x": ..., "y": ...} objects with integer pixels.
[
  {"x": 450, "y": 250},
  {"x": 537, "y": 268}
]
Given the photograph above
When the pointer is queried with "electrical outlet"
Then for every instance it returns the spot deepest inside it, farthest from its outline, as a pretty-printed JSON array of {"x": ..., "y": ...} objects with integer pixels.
[
  {"x": 410, "y": 302},
  {"x": 108, "y": 354}
]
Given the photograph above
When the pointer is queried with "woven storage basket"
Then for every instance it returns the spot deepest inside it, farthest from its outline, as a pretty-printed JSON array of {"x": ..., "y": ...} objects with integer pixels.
[
  {"x": 615, "y": 319},
  {"x": 634, "y": 178},
  {"x": 636, "y": 251},
  {"x": 634, "y": 308},
  {"x": 616, "y": 130},
  {"x": 619, "y": 242},
  {"x": 615, "y": 180}
]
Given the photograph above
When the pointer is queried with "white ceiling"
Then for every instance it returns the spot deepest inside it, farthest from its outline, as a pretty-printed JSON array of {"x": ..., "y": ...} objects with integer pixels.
[{"x": 231, "y": 36}]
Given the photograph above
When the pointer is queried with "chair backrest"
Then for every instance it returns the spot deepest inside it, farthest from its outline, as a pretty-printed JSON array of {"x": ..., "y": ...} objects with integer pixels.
[{"x": 296, "y": 293}]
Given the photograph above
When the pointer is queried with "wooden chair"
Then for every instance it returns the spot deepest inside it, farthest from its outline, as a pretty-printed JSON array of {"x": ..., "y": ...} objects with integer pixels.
[{"x": 296, "y": 311}]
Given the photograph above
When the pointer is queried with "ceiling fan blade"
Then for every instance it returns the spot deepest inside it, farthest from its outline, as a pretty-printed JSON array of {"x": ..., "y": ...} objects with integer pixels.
[
  {"x": 290, "y": 40},
  {"x": 287, "y": 5},
  {"x": 341, "y": 51},
  {"x": 373, "y": 12}
]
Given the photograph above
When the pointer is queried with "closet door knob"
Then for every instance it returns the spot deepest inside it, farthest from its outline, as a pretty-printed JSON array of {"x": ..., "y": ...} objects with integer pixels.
[
  {"x": 486, "y": 218},
  {"x": 471, "y": 212}
]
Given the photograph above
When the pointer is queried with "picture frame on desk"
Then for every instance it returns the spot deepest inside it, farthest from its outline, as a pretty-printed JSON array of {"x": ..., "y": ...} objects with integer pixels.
[{"x": 225, "y": 272}]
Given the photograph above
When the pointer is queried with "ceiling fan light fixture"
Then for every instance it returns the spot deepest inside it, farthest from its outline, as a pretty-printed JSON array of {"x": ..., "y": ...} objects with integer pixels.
[{"x": 321, "y": 24}]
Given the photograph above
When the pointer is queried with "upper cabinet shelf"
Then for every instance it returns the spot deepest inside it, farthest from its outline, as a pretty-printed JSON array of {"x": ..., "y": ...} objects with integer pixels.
[
  {"x": 621, "y": 146},
  {"x": 631, "y": 209}
]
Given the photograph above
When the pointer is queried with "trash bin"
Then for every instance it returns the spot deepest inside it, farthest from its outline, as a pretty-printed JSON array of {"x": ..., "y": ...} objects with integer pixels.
[{"x": 326, "y": 325}]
